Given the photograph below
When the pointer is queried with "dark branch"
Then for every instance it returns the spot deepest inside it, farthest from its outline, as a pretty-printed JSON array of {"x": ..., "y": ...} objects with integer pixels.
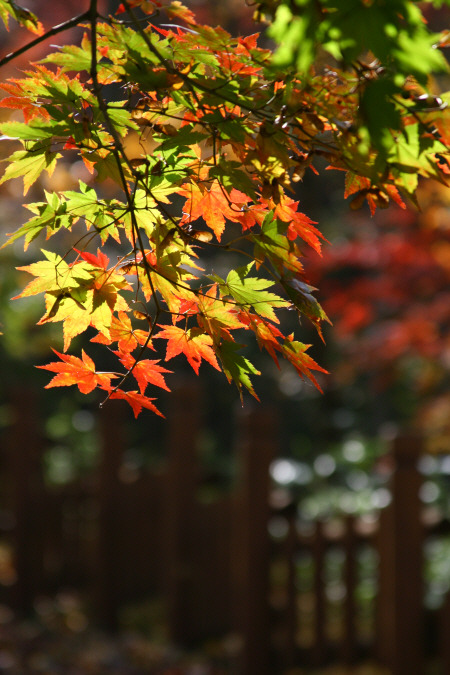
[{"x": 71, "y": 23}]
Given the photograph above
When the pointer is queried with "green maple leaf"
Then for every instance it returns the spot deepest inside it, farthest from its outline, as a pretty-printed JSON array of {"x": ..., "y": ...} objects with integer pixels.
[
  {"x": 98, "y": 213},
  {"x": 35, "y": 130},
  {"x": 29, "y": 164},
  {"x": 236, "y": 367},
  {"x": 49, "y": 216},
  {"x": 251, "y": 291},
  {"x": 272, "y": 243},
  {"x": 54, "y": 274},
  {"x": 67, "y": 307},
  {"x": 24, "y": 17}
]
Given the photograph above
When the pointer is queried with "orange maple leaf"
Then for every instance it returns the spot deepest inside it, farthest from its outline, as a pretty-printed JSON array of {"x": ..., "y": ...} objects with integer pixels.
[
  {"x": 122, "y": 332},
  {"x": 146, "y": 371},
  {"x": 72, "y": 370},
  {"x": 176, "y": 10},
  {"x": 294, "y": 352},
  {"x": 299, "y": 224},
  {"x": 193, "y": 343},
  {"x": 266, "y": 333},
  {"x": 212, "y": 203},
  {"x": 216, "y": 316},
  {"x": 29, "y": 109},
  {"x": 250, "y": 216},
  {"x": 137, "y": 401}
]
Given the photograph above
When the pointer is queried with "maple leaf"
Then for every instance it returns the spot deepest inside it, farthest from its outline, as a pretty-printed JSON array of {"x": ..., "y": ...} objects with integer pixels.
[
  {"x": 136, "y": 400},
  {"x": 271, "y": 243},
  {"x": 212, "y": 203},
  {"x": 215, "y": 315},
  {"x": 299, "y": 224},
  {"x": 193, "y": 343},
  {"x": 22, "y": 15},
  {"x": 166, "y": 275},
  {"x": 122, "y": 332},
  {"x": 65, "y": 306},
  {"x": 100, "y": 260},
  {"x": 50, "y": 216},
  {"x": 77, "y": 302},
  {"x": 81, "y": 372},
  {"x": 251, "y": 291},
  {"x": 237, "y": 368},
  {"x": 266, "y": 333},
  {"x": 29, "y": 109},
  {"x": 30, "y": 163},
  {"x": 294, "y": 351},
  {"x": 145, "y": 371},
  {"x": 102, "y": 301},
  {"x": 103, "y": 298},
  {"x": 354, "y": 183},
  {"x": 176, "y": 10},
  {"x": 250, "y": 216},
  {"x": 304, "y": 301},
  {"x": 53, "y": 274}
]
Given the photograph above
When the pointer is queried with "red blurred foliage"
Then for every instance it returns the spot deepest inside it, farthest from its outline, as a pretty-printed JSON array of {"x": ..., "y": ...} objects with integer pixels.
[{"x": 387, "y": 287}]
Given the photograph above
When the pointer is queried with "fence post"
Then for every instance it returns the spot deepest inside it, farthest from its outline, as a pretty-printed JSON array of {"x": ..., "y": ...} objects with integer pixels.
[
  {"x": 350, "y": 642},
  {"x": 112, "y": 428},
  {"x": 182, "y": 480},
  {"x": 444, "y": 635},
  {"x": 400, "y": 603},
  {"x": 291, "y": 548},
  {"x": 318, "y": 551},
  {"x": 25, "y": 446},
  {"x": 250, "y": 547}
]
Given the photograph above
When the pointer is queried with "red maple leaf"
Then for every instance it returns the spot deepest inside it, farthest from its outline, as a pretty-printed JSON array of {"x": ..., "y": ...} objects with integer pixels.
[
  {"x": 137, "y": 401},
  {"x": 72, "y": 370},
  {"x": 100, "y": 260},
  {"x": 193, "y": 343},
  {"x": 146, "y": 371}
]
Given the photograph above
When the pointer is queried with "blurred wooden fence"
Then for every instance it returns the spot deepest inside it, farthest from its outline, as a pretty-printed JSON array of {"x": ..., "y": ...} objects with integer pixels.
[{"x": 117, "y": 541}]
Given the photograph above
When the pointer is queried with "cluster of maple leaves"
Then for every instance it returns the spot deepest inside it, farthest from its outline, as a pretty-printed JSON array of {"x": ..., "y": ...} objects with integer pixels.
[{"x": 207, "y": 139}]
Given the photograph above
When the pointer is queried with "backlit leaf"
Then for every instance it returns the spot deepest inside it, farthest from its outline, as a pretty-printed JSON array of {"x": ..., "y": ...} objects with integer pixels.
[
  {"x": 193, "y": 343},
  {"x": 81, "y": 372}
]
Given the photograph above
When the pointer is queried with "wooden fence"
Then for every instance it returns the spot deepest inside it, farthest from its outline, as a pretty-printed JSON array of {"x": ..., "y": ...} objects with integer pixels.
[
  {"x": 397, "y": 633},
  {"x": 214, "y": 563}
]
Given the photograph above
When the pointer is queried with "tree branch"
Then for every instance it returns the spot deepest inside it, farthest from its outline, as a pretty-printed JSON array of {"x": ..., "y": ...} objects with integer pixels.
[{"x": 71, "y": 23}]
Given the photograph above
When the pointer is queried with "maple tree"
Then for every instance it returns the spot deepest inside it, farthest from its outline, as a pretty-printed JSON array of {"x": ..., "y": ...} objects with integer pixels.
[{"x": 204, "y": 137}]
